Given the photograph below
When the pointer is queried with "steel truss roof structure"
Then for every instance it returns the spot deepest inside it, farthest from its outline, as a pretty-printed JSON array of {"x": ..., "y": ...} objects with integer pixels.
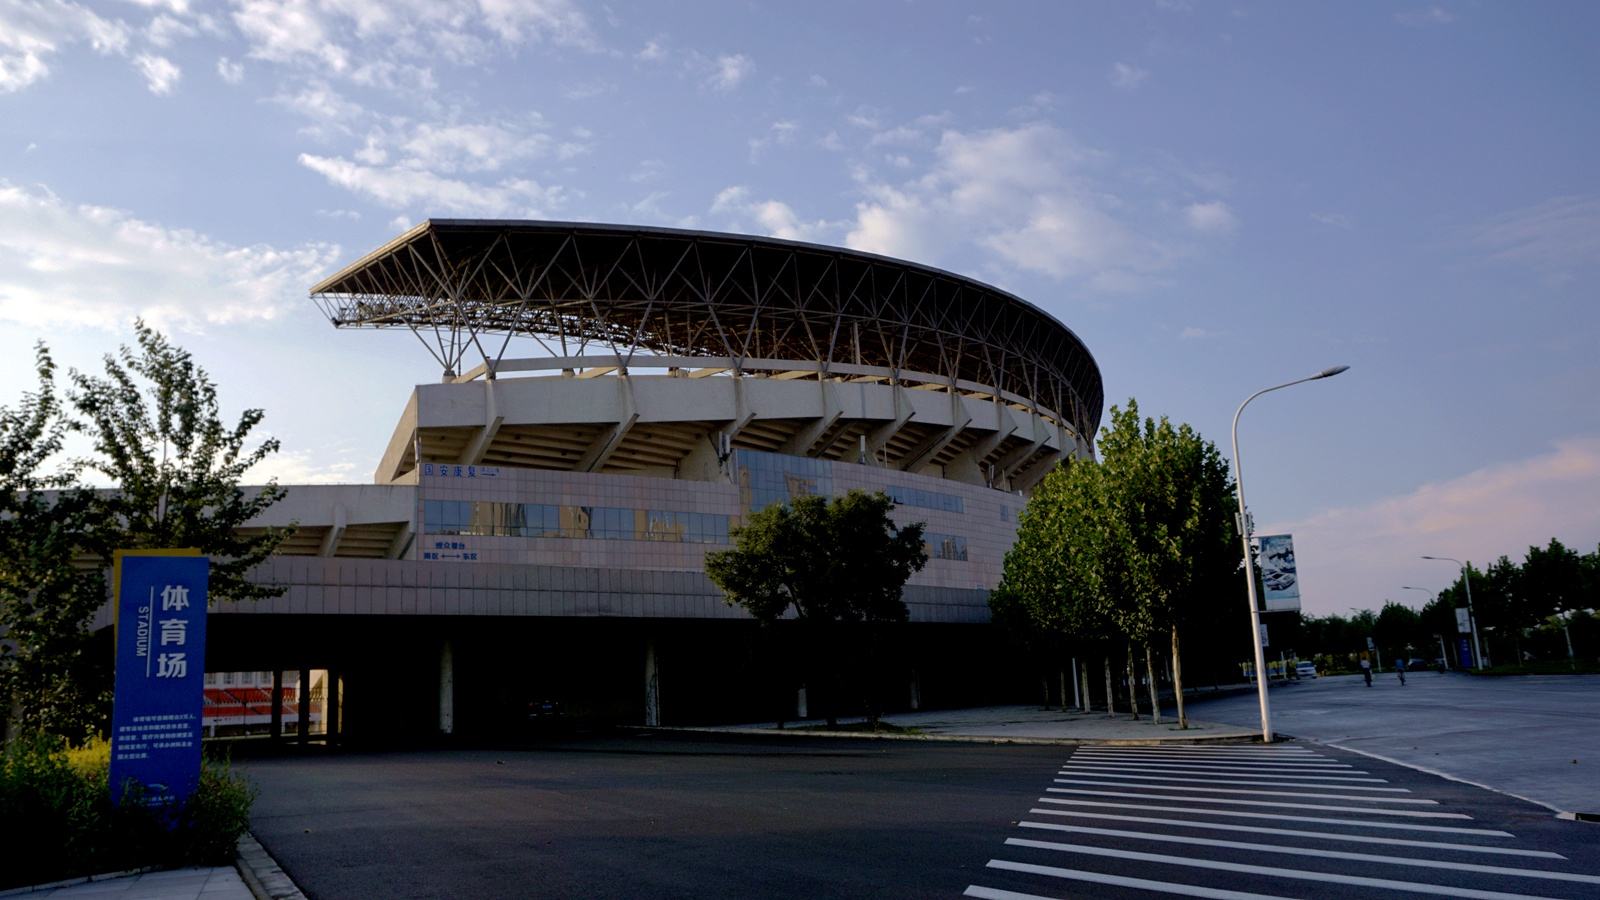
[{"x": 647, "y": 292}]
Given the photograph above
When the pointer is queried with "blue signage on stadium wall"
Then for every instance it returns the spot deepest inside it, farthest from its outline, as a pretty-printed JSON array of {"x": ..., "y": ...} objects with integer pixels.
[{"x": 161, "y": 665}]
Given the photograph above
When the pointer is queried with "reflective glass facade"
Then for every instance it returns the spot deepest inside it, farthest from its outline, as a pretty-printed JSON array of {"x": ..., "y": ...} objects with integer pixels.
[
  {"x": 543, "y": 520},
  {"x": 768, "y": 478},
  {"x": 945, "y": 546}
]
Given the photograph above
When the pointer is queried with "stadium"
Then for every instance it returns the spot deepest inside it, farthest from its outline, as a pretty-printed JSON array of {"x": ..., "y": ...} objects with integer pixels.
[{"x": 536, "y": 528}]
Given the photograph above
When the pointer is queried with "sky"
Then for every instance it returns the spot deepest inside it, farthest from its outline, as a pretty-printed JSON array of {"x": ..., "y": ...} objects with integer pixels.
[{"x": 1216, "y": 197}]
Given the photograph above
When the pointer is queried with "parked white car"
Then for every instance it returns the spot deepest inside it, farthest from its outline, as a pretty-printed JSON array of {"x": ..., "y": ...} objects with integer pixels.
[{"x": 1305, "y": 670}]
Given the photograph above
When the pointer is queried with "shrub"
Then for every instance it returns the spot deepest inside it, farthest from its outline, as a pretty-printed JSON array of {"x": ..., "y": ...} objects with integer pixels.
[{"x": 57, "y": 820}]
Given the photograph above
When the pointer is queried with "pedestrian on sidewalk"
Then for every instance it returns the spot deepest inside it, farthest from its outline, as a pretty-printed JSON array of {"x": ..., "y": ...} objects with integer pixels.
[
  {"x": 1400, "y": 669},
  {"x": 1366, "y": 669}
]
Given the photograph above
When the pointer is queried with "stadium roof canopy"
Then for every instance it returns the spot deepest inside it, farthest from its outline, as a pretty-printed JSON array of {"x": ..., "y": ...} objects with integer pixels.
[{"x": 640, "y": 292}]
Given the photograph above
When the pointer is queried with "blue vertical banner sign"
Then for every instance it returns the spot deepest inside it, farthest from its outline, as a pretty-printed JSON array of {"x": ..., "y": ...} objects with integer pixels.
[{"x": 161, "y": 665}]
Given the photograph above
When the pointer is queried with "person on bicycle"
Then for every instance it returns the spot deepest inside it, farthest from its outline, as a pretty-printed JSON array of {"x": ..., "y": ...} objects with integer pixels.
[
  {"x": 1366, "y": 669},
  {"x": 1400, "y": 669}
]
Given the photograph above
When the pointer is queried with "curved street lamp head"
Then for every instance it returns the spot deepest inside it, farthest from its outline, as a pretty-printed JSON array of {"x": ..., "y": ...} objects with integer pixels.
[{"x": 1330, "y": 372}]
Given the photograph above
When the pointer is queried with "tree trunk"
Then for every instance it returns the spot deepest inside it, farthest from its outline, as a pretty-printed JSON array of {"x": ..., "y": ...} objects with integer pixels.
[
  {"x": 1111, "y": 706},
  {"x": 1155, "y": 701},
  {"x": 1083, "y": 675},
  {"x": 1177, "y": 680},
  {"x": 1063, "y": 673},
  {"x": 1044, "y": 683},
  {"x": 1133, "y": 684}
]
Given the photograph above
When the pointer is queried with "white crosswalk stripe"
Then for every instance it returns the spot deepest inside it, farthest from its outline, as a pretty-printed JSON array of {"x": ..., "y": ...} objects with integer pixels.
[
  {"x": 1098, "y": 772},
  {"x": 1114, "y": 810}
]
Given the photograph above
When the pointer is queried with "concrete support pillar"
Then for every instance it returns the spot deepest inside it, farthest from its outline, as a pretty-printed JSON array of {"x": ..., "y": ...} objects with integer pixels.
[
  {"x": 447, "y": 689},
  {"x": 275, "y": 733},
  {"x": 330, "y": 719},
  {"x": 302, "y": 728},
  {"x": 652, "y": 685}
]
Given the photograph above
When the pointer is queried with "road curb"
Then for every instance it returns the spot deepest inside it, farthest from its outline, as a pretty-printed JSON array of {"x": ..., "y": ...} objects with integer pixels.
[
  {"x": 955, "y": 738},
  {"x": 261, "y": 873}
]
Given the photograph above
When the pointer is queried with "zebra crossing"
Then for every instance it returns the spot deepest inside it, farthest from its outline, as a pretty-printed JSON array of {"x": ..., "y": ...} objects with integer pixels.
[{"x": 1238, "y": 821}]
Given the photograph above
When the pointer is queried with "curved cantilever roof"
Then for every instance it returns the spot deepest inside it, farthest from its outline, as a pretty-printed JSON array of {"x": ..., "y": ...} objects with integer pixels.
[{"x": 580, "y": 287}]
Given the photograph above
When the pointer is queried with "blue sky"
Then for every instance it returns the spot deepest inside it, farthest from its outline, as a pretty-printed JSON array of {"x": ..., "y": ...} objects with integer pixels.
[{"x": 1214, "y": 196}]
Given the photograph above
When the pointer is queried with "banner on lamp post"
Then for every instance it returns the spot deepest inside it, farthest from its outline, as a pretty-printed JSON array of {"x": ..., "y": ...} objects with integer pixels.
[
  {"x": 160, "y": 675},
  {"x": 1463, "y": 620},
  {"x": 1280, "y": 582}
]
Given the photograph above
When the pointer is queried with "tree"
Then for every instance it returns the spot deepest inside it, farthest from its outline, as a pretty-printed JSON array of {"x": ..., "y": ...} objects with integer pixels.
[
  {"x": 48, "y": 675},
  {"x": 1399, "y": 630},
  {"x": 839, "y": 565},
  {"x": 1136, "y": 544},
  {"x": 1172, "y": 493},
  {"x": 1064, "y": 573},
  {"x": 158, "y": 435}
]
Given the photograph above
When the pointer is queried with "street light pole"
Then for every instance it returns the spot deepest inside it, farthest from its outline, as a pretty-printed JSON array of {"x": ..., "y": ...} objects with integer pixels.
[
  {"x": 1444, "y": 657},
  {"x": 1249, "y": 564},
  {"x": 1472, "y": 617}
]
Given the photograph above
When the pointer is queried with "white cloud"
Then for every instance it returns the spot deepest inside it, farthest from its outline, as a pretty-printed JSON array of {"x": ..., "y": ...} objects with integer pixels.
[
  {"x": 160, "y": 75},
  {"x": 164, "y": 31},
  {"x": 97, "y": 267},
  {"x": 471, "y": 147},
  {"x": 230, "y": 71},
  {"x": 730, "y": 71},
  {"x": 321, "y": 103},
  {"x": 30, "y": 33},
  {"x": 652, "y": 51},
  {"x": 817, "y": 81},
  {"x": 1433, "y": 15},
  {"x": 290, "y": 31},
  {"x": 1357, "y": 555},
  {"x": 1211, "y": 218},
  {"x": 290, "y": 467},
  {"x": 328, "y": 37},
  {"x": 1196, "y": 333},
  {"x": 770, "y": 217},
  {"x": 1333, "y": 219},
  {"x": 402, "y": 188},
  {"x": 1558, "y": 234},
  {"x": 1017, "y": 194},
  {"x": 1127, "y": 76}
]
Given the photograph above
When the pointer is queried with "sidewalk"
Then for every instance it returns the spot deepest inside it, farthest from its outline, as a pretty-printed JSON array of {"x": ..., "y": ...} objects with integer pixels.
[
  {"x": 1010, "y": 724},
  {"x": 219, "y": 883}
]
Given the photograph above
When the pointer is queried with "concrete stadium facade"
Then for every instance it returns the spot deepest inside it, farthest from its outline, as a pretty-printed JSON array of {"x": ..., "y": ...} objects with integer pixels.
[{"x": 537, "y": 527}]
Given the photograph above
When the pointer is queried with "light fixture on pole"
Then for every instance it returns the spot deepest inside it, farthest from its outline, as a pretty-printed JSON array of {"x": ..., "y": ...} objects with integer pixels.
[
  {"x": 1472, "y": 617},
  {"x": 1444, "y": 657},
  {"x": 1249, "y": 564}
]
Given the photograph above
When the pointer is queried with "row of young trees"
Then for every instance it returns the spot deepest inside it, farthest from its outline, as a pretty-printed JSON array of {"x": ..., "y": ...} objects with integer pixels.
[
  {"x": 1526, "y": 611},
  {"x": 1128, "y": 552},
  {"x": 150, "y": 430}
]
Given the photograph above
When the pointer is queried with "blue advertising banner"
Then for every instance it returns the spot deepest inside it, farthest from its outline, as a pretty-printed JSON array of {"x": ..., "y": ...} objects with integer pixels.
[
  {"x": 161, "y": 665},
  {"x": 1464, "y": 653}
]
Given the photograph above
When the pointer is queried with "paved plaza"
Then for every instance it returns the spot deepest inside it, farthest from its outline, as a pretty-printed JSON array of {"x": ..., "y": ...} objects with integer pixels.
[{"x": 1536, "y": 737}]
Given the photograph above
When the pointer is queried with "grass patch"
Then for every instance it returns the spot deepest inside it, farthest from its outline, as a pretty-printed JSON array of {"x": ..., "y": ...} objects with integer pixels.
[{"x": 57, "y": 820}]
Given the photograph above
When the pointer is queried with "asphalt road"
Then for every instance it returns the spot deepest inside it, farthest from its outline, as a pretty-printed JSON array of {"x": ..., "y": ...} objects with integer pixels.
[
  {"x": 792, "y": 817},
  {"x": 1536, "y": 737}
]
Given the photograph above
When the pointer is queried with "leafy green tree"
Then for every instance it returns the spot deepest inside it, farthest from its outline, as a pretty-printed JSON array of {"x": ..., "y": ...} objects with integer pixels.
[
  {"x": 1398, "y": 630},
  {"x": 1065, "y": 572},
  {"x": 838, "y": 565},
  {"x": 158, "y": 436},
  {"x": 1172, "y": 492},
  {"x": 49, "y": 677}
]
